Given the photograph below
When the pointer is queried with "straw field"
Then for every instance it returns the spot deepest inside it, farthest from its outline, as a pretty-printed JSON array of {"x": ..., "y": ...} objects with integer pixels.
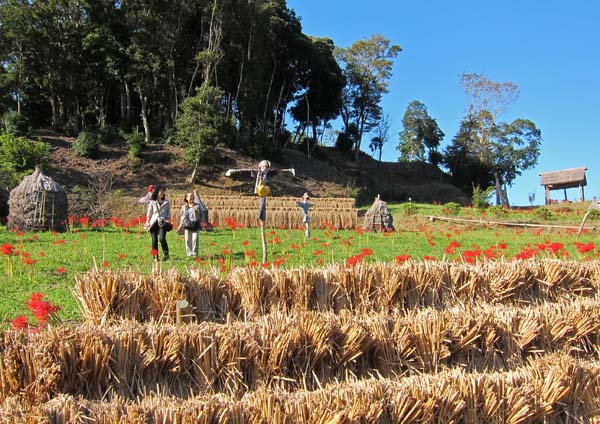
[
  {"x": 283, "y": 212},
  {"x": 413, "y": 342}
]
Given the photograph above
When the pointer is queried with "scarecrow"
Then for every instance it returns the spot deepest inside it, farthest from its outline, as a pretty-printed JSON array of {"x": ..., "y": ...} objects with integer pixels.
[{"x": 263, "y": 191}]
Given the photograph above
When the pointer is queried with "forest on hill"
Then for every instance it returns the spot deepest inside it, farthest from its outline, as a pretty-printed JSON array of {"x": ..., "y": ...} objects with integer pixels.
[{"x": 211, "y": 74}]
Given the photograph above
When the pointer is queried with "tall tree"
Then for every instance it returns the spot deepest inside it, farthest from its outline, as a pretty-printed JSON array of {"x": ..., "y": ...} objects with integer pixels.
[
  {"x": 321, "y": 100},
  {"x": 421, "y": 134},
  {"x": 382, "y": 135},
  {"x": 367, "y": 67},
  {"x": 487, "y": 100},
  {"x": 466, "y": 169},
  {"x": 202, "y": 126}
]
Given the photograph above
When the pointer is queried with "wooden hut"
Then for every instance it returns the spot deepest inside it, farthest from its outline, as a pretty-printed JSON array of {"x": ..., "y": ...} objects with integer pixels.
[{"x": 562, "y": 180}]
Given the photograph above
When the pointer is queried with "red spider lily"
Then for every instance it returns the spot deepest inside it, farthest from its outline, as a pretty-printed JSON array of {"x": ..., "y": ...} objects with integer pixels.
[
  {"x": 232, "y": 223},
  {"x": 429, "y": 258},
  {"x": 42, "y": 253},
  {"x": 250, "y": 253},
  {"x": 7, "y": 249},
  {"x": 28, "y": 261},
  {"x": 317, "y": 252},
  {"x": 116, "y": 222},
  {"x": 60, "y": 241},
  {"x": 525, "y": 253},
  {"x": 41, "y": 309},
  {"x": 25, "y": 254},
  {"x": 584, "y": 247},
  {"x": 452, "y": 247},
  {"x": 226, "y": 252},
  {"x": 105, "y": 264},
  {"x": 20, "y": 323},
  {"x": 154, "y": 252},
  {"x": 555, "y": 247},
  {"x": 359, "y": 231},
  {"x": 122, "y": 255},
  {"x": 402, "y": 258},
  {"x": 252, "y": 264},
  {"x": 19, "y": 233},
  {"x": 502, "y": 245},
  {"x": 61, "y": 270},
  {"x": 365, "y": 251},
  {"x": 84, "y": 221},
  {"x": 490, "y": 252},
  {"x": 245, "y": 243},
  {"x": 294, "y": 246},
  {"x": 265, "y": 264},
  {"x": 354, "y": 260},
  {"x": 320, "y": 261},
  {"x": 278, "y": 262}
]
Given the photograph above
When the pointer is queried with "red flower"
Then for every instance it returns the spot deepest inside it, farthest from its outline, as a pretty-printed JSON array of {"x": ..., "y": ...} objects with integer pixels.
[
  {"x": 28, "y": 261},
  {"x": 402, "y": 258},
  {"x": 583, "y": 247},
  {"x": 61, "y": 270},
  {"x": 20, "y": 323},
  {"x": 122, "y": 255},
  {"x": 366, "y": 251},
  {"x": 105, "y": 264},
  {"x": 154, "y": 252},
  {"x": 7, "y": 249},
  {"x": 245, "y": 243},
  {"x": 317, "y": 252},
  {"x": 354, "y": 260},
  {"x": 41, "y": 309}
]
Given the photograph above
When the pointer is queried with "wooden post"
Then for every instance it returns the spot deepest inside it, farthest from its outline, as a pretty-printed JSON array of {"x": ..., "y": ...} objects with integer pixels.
[
  {"x": 263, "y": 241},
  {"x": 182, "y": 311}
]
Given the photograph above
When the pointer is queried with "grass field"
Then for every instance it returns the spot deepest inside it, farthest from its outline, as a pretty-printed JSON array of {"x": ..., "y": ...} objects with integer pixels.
[{"x": 49, "y": 263}]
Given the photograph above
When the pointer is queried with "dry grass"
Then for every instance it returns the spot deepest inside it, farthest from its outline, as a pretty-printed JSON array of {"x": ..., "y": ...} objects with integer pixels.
[
  {"x": 289, "y": 351},
  {"x": 553, "y": 389},
  {"x": 245, "y": 293},
  {"x": 283, "y": 211}
]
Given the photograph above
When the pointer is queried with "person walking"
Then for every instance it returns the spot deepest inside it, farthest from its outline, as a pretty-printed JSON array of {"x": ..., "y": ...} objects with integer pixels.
[
  {"x": 158, "y": 221},
  {"x": 189, "y": 222},
  {"x": 305, "y": 206}
]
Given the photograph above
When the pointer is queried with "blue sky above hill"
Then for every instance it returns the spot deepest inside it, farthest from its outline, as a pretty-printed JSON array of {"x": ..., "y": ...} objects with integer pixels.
[{"x": 550, "y": 49}]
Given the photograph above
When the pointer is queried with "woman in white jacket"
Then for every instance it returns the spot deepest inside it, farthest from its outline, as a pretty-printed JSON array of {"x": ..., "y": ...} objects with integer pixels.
[
  {"x": 189, "y": 222},
  {"x": 158, "y": 221}
]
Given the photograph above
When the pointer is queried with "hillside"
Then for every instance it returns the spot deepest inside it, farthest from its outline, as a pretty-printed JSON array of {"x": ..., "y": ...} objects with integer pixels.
[{"x": 332, "y": 175}]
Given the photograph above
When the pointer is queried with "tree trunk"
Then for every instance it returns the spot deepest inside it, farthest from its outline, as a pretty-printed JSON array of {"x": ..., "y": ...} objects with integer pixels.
[
  {"x": 144, "y": 104},
  {"x": 54, "y": 106},
  {"x": 128, "y": 101},
  {"x": 501, "y": 197}
]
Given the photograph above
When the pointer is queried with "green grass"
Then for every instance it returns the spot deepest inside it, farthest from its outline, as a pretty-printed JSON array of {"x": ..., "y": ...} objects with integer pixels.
[{"x": 59, "y": 258}]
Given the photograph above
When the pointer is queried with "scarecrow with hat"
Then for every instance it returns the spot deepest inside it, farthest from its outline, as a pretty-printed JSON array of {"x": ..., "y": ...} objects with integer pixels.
[
  {"x": 305, "y": 206},
  {"x": 262, "y": 190}
]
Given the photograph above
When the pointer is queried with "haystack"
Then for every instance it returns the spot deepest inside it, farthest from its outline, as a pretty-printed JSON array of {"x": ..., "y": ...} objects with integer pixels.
[
  {"x": 378, "y": 217},
  {"x": 38, "y": 203}
]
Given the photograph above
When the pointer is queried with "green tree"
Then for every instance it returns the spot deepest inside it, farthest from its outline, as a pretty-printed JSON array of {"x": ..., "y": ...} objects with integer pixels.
[
  {"x": 466, "y": 169},
  {"x": 202, "y": 126},
  {"x": 487, "y": 100},
  {"x": 514, "y": 147},
  {"x": 421, "y": 134},
  {"x": 367, "y": 68}
]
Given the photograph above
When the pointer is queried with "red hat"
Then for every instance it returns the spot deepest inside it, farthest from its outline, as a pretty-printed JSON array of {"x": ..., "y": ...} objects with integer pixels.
[{"x": 150, "y": 188}]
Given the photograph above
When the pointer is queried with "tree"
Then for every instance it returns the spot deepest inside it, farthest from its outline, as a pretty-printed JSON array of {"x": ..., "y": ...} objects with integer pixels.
[
  {"x": 367, "y": 68},
  {"x": 487, "y": 100},
  {"x": 382, "y": 134},
  {"x": 466, "y": 169},
  {"x": 514, "y": 147},
  {"x": 420, "y": 132},
  {"x": 202, "y": 126},
  {"x": 321, "y": 101}
]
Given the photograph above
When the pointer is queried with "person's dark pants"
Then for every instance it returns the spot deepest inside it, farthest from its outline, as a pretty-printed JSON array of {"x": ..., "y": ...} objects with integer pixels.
[{"x": 159, "y": 234}]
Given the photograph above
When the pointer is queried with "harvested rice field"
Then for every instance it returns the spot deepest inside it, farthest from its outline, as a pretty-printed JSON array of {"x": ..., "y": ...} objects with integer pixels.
[{"x": 417, "y": 341}]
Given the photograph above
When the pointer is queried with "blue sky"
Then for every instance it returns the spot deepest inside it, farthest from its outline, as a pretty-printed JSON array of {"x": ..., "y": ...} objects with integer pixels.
[{"x": 550, "y": 49}]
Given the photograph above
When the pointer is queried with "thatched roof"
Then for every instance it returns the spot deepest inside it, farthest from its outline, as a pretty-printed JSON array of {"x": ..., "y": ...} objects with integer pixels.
[{"x": 567, "y": 178}]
